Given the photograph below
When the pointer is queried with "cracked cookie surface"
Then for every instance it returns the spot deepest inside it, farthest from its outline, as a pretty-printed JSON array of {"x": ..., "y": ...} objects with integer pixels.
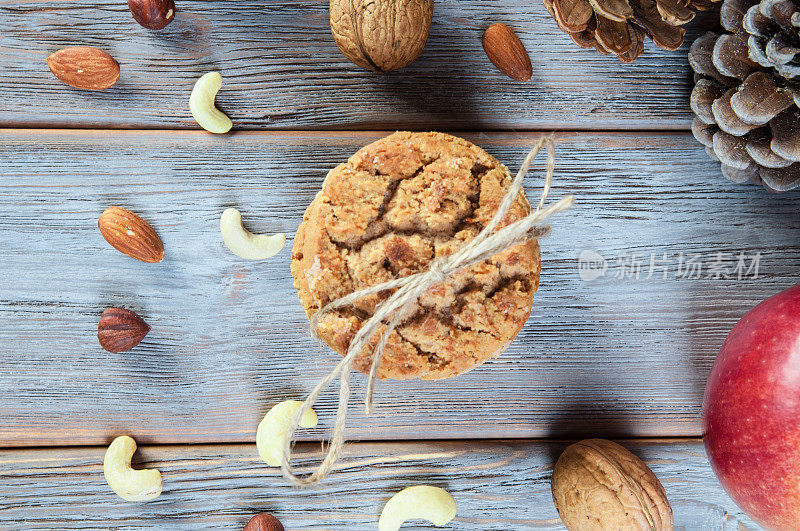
[{"x": 392, "y": 208}]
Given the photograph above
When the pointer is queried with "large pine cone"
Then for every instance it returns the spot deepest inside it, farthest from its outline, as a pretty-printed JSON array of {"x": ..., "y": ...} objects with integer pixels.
[
  {"x": 748, "y": 112},
  {"x": 619, "y": 26},
  {"x": 774, "y": 41}
]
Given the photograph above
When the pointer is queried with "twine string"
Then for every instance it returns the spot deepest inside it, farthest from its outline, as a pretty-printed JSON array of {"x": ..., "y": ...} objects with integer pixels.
[{"x": 486, "y": 244}]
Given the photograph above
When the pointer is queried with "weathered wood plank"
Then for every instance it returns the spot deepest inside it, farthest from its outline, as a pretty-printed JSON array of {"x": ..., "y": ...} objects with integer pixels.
[
  {"x": 282, "y": 70},
  {"x": 497, "y": 486},
  {"x": 624, "y": 357}
]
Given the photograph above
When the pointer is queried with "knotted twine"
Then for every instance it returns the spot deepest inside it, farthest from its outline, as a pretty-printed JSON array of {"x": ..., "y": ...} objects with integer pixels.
[{"x": 485, "y": 245}]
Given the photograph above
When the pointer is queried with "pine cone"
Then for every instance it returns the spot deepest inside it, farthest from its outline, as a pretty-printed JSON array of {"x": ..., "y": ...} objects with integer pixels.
[
  {"x": 747, "y": 106},
  {"x": 774, "y": 41},
  {"x": 619, "y": 26}
]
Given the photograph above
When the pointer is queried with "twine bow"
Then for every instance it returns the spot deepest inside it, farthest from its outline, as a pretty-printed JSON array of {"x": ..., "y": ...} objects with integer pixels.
[{"x": 485, "y": 245}]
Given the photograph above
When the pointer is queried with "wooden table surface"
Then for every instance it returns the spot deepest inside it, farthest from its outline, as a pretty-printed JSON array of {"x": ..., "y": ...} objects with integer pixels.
[{"x": 624, "y": 355}]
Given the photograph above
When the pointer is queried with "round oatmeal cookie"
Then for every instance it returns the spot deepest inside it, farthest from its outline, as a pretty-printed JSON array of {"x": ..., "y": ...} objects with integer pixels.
[{"x": 395, "y": 206}]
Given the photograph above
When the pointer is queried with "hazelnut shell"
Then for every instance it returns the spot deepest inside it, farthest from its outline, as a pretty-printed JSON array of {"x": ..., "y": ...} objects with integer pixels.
[
  {"x": 263, "y": 522},
  {"x": 120, "y": 330},
  {"x": 152, "y": 14}
]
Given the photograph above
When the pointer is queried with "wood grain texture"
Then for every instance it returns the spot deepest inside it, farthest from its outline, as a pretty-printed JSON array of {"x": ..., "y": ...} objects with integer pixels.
[
  {"x": 282, "y": 70},
  {"x": 496, "y": 485},
  {"x": 624, "y": 357}
]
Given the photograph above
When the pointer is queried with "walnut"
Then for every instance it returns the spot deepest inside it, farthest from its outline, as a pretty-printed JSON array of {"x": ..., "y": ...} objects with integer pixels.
[
  {"x": 381, "y": 35},
  {"x": 598, "y": 484}
]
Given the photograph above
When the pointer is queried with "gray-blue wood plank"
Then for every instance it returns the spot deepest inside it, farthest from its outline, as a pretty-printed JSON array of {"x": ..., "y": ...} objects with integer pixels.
[
  {"x": 612, "y": 356},
  {"x": 282, "y": 70},
  {"x": 497, "y": 485}
]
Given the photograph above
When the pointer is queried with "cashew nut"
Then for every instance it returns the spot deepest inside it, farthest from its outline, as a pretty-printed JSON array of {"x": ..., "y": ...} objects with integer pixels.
[
  {"x": 274, "y": 428},
  {"x": 421, "y": 501},
  {"x": 129, "y": 484},
  {"x": 201, "y": 103},
  {"x": 244, "y": 243}
]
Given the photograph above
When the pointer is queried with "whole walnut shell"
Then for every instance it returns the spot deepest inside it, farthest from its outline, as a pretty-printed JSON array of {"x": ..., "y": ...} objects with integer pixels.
[
  {"x": 381, "y": 35},
  {"x": 599, "y": 485}
]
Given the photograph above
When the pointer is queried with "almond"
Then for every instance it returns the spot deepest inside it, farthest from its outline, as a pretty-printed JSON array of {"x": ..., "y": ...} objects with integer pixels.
[
  {"x": 120, "y": 330},
  {"x": 131, "y": 235},
  {"x": 506, "y": 51},
  {"x": 84, "y": 67}
]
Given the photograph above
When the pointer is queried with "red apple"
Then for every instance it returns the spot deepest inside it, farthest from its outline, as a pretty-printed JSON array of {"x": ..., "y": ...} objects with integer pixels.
[{"x": 751, "y": 412}]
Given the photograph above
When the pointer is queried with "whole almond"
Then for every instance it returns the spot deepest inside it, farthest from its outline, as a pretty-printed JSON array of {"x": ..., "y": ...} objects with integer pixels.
[
  {"x": 84, "y": 67},
  {"x": 152, "y": 14},
  {"x": 131, "y": 235},
  {"x": 120, "y": 330},
  {"x": 506, "y": 51}
]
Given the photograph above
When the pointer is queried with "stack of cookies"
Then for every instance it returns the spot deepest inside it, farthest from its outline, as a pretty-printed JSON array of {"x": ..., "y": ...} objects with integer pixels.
[{"x": 393, "y": 208}]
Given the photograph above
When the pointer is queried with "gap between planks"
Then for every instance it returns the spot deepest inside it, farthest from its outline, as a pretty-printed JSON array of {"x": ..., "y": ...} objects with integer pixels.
[
  {"x": 516, "y": 440},
  {"x": 328, "y": 132}
]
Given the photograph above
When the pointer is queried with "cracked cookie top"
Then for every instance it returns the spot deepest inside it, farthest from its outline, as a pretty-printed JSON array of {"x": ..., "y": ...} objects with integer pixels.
[{"x": 395, "y": 206}]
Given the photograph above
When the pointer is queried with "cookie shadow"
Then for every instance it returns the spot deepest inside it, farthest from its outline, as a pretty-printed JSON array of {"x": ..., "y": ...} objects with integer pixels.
[{"x": 584, "y": 419}]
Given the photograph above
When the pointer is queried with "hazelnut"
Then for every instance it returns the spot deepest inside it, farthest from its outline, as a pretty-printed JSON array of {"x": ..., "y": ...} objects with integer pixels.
[
  {"x": 598, "y": 484},
  {"x": 152, "y": 14},
  {"x": 120, "y": 330},
  {"x": 263, "y": 522}
]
